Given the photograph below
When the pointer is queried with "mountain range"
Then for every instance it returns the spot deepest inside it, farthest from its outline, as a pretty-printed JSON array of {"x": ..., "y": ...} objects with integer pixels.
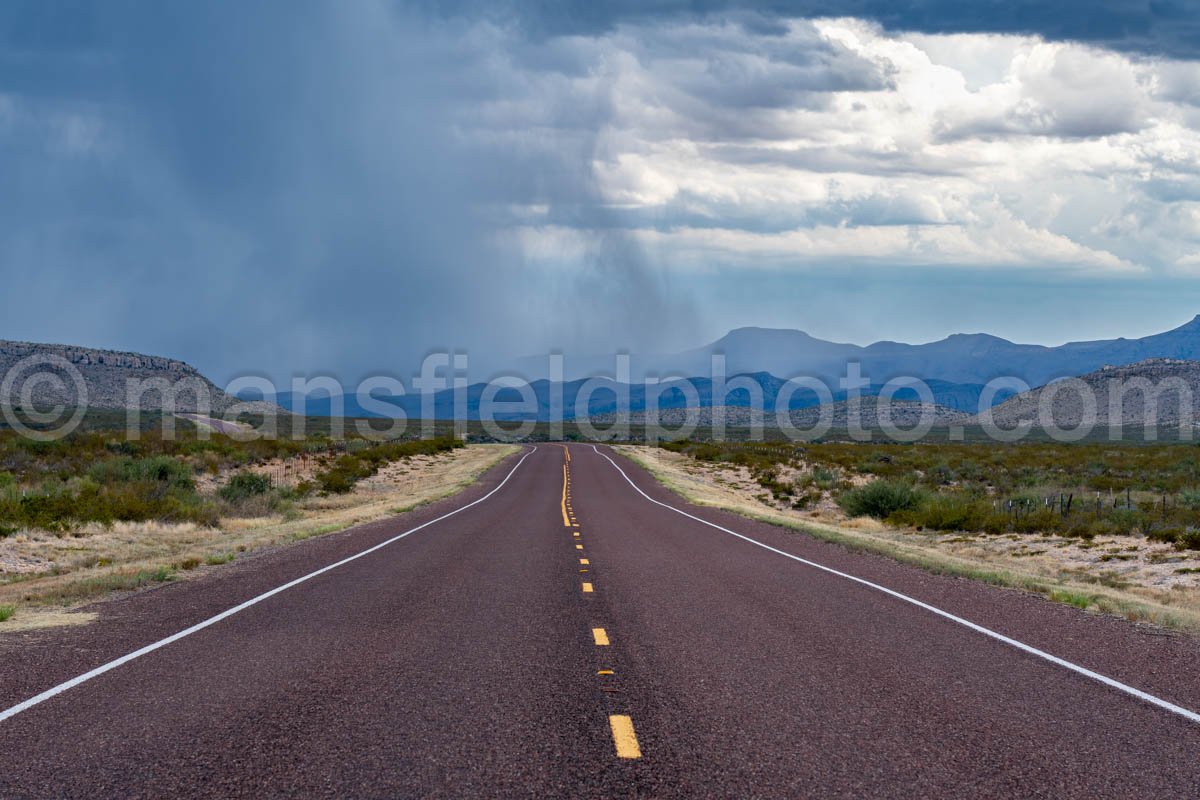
[
  {"x": 955, "y": 369},
  {"x": 606, "y": 397},
  {"x": 962, "y": 358}
]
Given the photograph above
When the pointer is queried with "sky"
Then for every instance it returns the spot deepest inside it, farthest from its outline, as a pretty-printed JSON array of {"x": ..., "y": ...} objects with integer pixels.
[{"x": 285, "y": 188}]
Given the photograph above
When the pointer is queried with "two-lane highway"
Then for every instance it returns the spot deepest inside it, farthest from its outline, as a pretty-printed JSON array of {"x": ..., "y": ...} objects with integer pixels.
[{"x": 561, "y": 629}]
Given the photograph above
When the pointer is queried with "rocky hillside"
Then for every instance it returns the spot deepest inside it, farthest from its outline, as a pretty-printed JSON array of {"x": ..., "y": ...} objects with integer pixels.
[
  {"x": 106, "y": 375},
  {"x": 1111, "y": 395}
]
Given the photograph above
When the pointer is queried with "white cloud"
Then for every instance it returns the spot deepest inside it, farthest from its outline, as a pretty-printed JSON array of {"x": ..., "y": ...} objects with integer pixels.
[
  {"x": 837, "y": 142},
  {"x": 1007, "y": 243},
  {"x": 1188, "y": 265}
]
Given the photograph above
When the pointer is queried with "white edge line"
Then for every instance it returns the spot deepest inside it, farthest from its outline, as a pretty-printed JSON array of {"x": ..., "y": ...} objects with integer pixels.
[
  {"x": 150, "y": 648},
  {"x": 1084, "y": 671}
]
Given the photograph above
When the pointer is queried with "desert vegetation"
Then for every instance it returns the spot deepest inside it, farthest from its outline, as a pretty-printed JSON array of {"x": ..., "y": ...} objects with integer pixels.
[
  {"x": 104, "y": 477},
  {"x": 1078, "y": 490},
  {"x": 907, "y": 502},
  {"x": 98, "y": 512}
]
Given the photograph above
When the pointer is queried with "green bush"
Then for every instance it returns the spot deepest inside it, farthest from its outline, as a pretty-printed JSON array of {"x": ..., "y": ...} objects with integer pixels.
[
  {"x": 345, "y": 472},
  {"x": 243, "y": 485},
  {"x": 1188, "y": 539},
  {"x": 824, "y": 478},
  {"x": 880, "y": 499},
  {"x": 349, "y": 469},
  {"x": 949, "y": 512},
  {"x": 805, "y": 499},
  {"x": 161, "y": 469}
]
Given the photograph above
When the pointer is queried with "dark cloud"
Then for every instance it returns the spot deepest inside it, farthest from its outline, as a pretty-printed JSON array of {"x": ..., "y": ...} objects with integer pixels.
[
  {"x": 288, "y": 186},
  {"x": 309, "y": 186},
  {"x": 1161, "y": 27}
]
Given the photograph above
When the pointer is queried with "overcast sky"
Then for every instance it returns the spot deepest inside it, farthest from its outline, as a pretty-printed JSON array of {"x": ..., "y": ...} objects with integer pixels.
[{"x": 341, "y": 187}]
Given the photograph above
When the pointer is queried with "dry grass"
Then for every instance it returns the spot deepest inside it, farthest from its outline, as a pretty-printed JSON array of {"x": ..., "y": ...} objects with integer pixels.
[
  {"x": 1135, "y": 579},
  {"x": 34, "y": 618},
  {"x": 44, "y": 573}
]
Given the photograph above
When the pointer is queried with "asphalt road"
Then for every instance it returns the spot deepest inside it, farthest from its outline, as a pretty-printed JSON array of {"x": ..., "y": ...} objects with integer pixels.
[{"x": 562, "y": 634}]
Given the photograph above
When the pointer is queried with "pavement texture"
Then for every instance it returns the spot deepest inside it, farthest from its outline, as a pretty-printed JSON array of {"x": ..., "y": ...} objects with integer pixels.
[{"x": 566, "y": 637}]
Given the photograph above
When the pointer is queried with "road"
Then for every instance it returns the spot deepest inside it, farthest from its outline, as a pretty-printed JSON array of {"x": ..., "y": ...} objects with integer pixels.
[{"x": 562, "y": 634}]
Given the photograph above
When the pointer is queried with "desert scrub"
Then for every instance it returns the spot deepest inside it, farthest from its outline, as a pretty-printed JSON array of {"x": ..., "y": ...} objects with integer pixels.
[
  {"x": 165, "y": 470},
  {"x": 6, "y": 612},
  {"x": 951, "y": 512},
  {"x": 350, "y": 468},
  {"x": 880, "y": 499},
  {"x": 1079, "y": 490},
  {"x": 243, "y": 485},
  {"x": 103, "y": 477},
  {"x": 57, "y": 505}
]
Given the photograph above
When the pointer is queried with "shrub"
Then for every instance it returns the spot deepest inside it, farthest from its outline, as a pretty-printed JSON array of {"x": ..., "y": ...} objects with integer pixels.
[
  {"x": 824, "y": 478},
  {"x": 349, "y": 469},
  {"x": 805, "y": 499},
  {"x": 1188, "y": 539},
  {"x": 880, "y": 499},
  {"x": 340, "y": 478},
  {"x": 243, "y": 485},
  {"x": 160, "y": 469},
  {"x": 6, "y": 613},
  {"x": 948, "y": 512},
  {"x": 1125, "y": 520}
]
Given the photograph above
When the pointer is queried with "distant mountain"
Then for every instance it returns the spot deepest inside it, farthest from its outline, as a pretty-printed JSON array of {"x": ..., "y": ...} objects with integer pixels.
[
  {"x": 106, "y": 376},
  {"x": 960, "y": 359},
  {"x": 1175, "y": 384},
  {"x": 904, "y": 414},
  {"x": 605, "y": 394}
]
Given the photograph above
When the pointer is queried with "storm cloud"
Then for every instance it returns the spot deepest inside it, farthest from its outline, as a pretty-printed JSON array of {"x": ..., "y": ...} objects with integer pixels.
[{"x": 318, "y": 187}]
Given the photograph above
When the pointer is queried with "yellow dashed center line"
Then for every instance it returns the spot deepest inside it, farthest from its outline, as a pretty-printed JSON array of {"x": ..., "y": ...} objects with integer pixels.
[
  {"x": 566, "y": 522},
  {"x": 624, "y": 736}
]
